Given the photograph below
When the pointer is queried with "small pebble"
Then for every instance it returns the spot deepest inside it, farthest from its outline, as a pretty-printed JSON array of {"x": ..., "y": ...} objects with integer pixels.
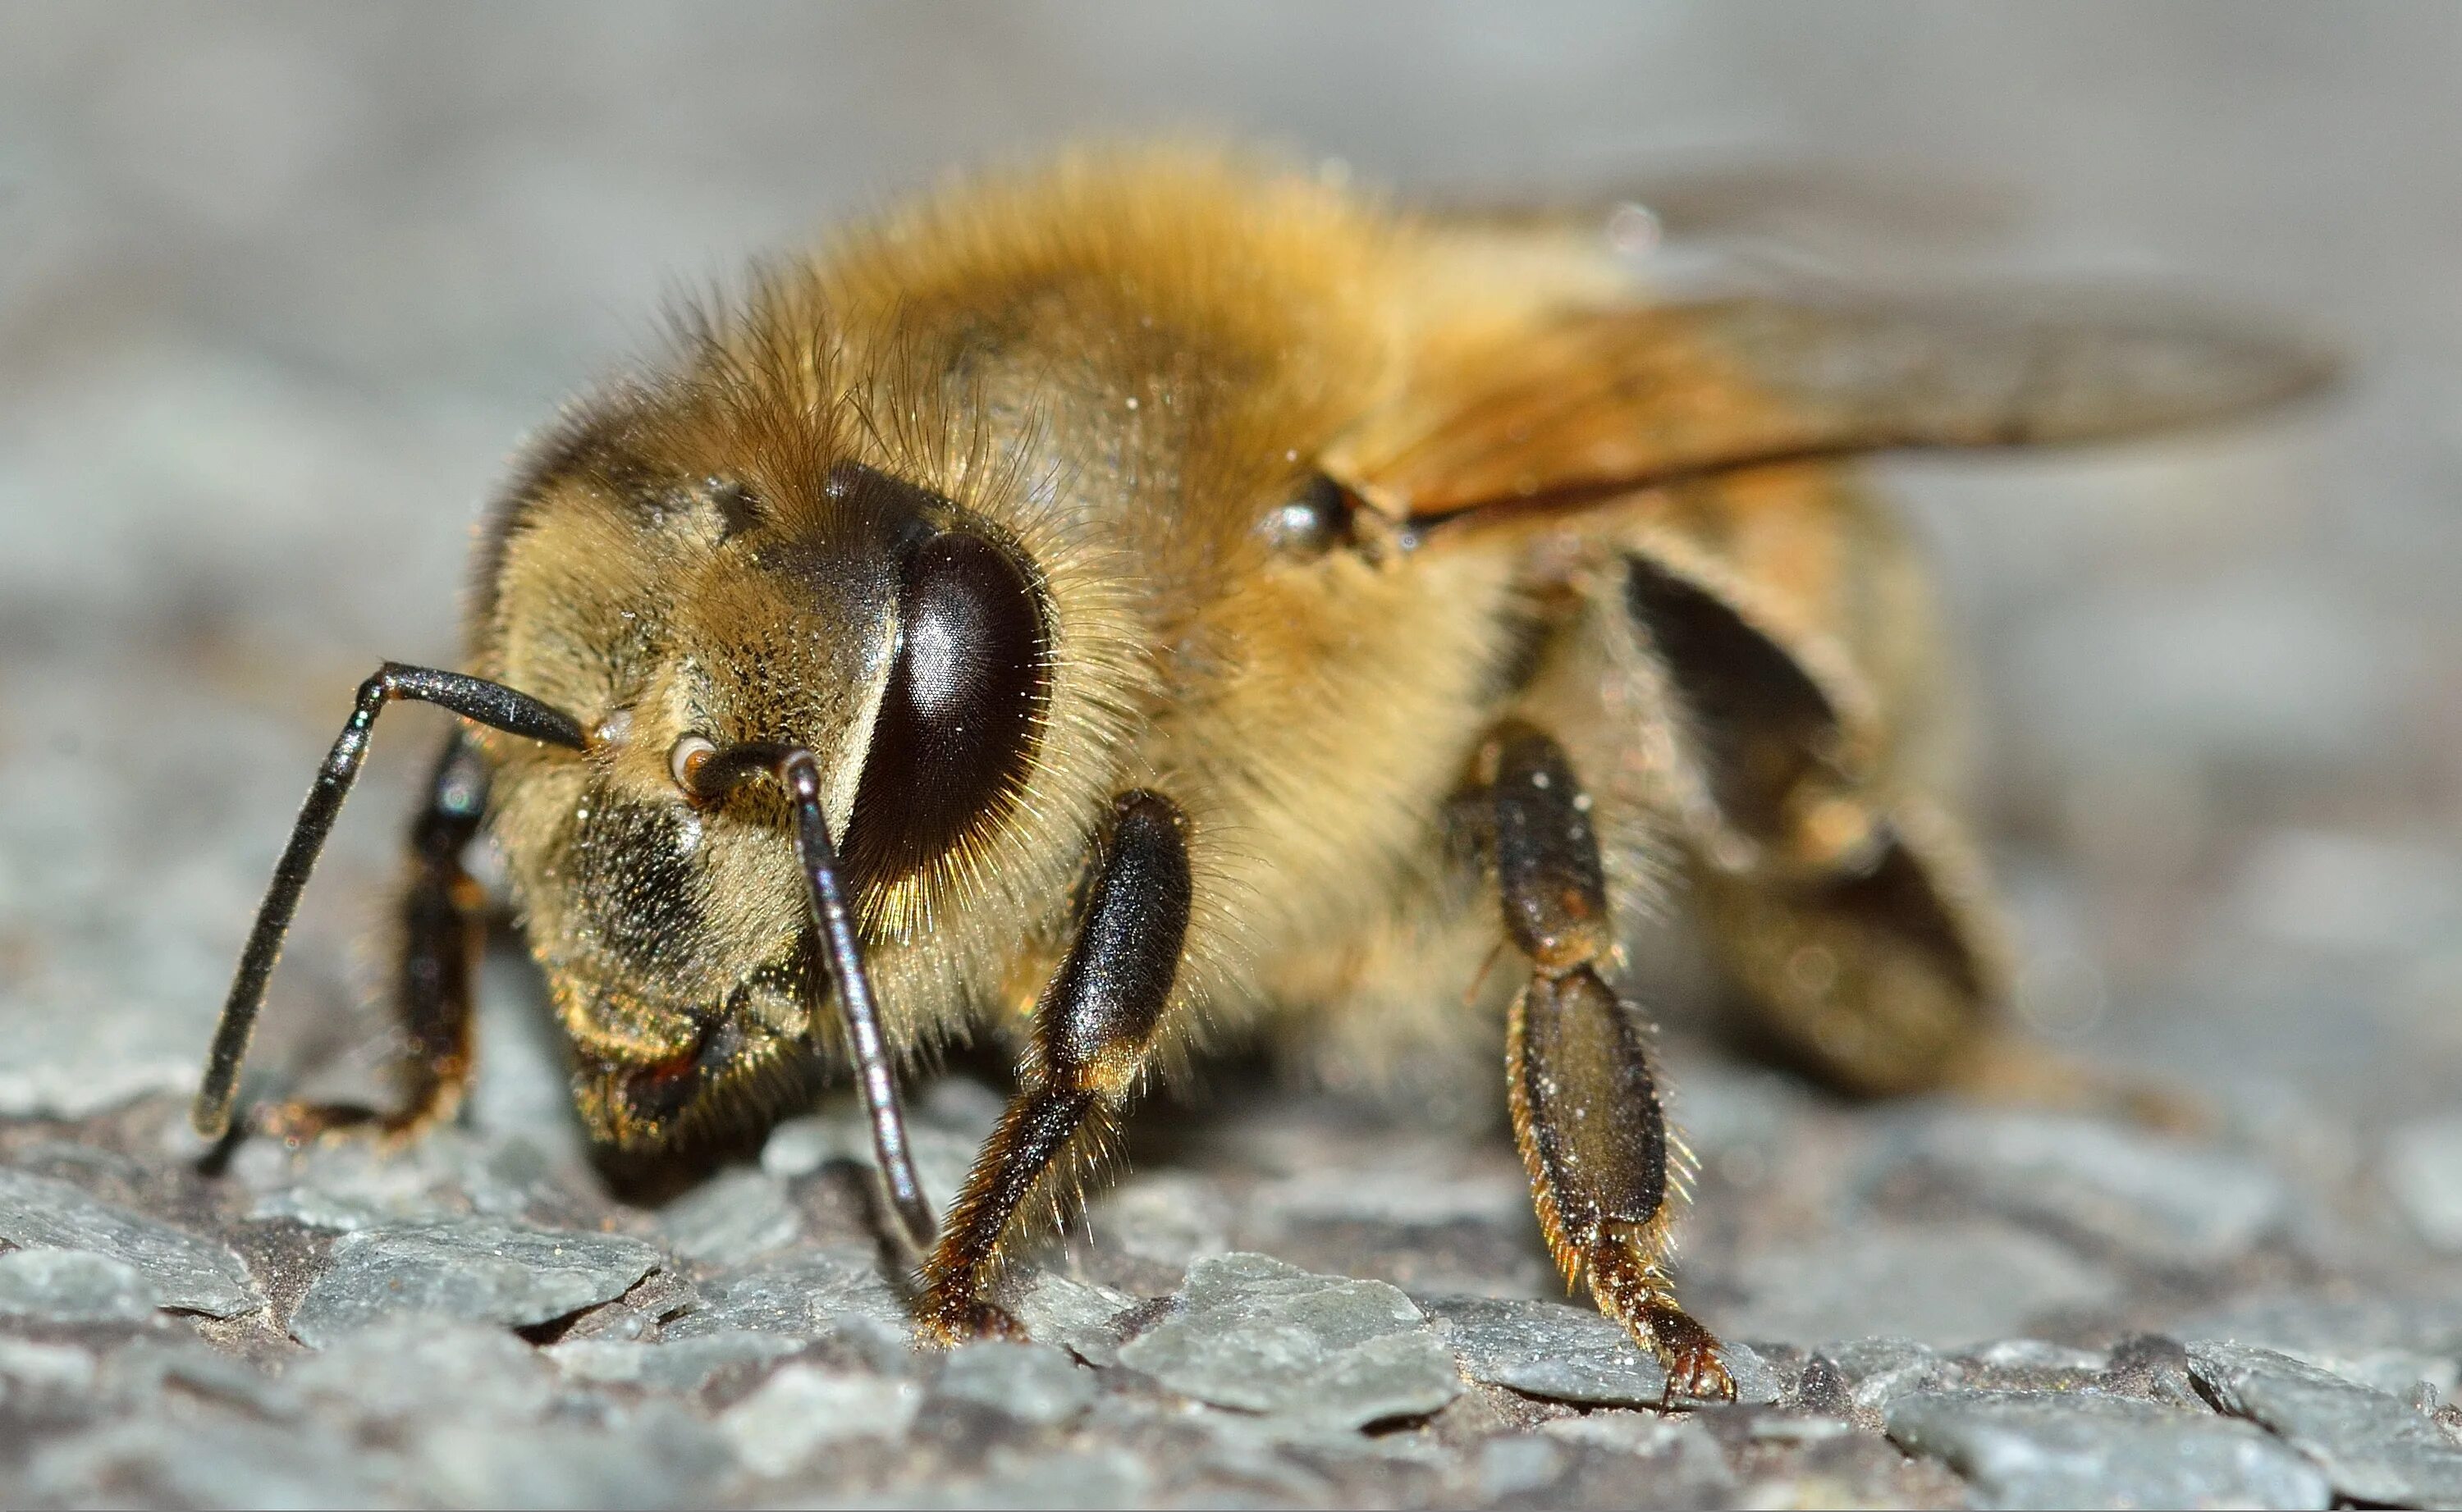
[
  {"x": 801, "y": 1293},
  {"x": 732, "y": 1219},
  {"x": 803, "y": 1408},
  {"x": 477, "y": 1270},
  {"x": 680, "y": 1367},
  {"x": 2041, "y": 1449},
  {"x": 2372, "y": 1446},
  {"x": 1033, "y": 1383},
  {"x": 1079, "y": 1316},
  {"x": 72, "y": 1286},
  {"x": 1255, "y": 1334},
  {"x": 193, "y": 1274}
]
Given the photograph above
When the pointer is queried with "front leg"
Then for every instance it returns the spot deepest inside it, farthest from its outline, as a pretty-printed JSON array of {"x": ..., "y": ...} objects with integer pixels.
[
  {"x": 1586, "y": 1108},
  {"x": 443, "y": 928},
  {"x": 1094, "y": 1032}
]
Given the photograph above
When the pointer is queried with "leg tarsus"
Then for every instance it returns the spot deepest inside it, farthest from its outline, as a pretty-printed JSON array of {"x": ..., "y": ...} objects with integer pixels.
[{"x": 1094, "y": 1029}]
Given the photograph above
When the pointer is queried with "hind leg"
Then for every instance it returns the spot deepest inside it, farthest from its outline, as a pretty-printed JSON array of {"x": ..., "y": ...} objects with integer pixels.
[{"x": 1586, "y": 1114}]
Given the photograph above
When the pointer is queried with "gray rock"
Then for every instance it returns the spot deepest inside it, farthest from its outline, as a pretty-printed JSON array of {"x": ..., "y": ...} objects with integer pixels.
[
  {"x": 1254, "y": 1333},
  {"x": 2372, "y": 1446},
  {"x": 653, "y": 1453},
  {"x": 350, "y": 1184},
  {"x": 419, "y": 1367},
  {"x": 802, "y": 1294},
  {"x": 477, "y": 1270},
  {"x": 2039, "y": 1354},
  {"x": 1033, "y": 1383},
  {"x": 2038, "y": 1449},
  {"x": 2158, "y": 1198},
  {"x": 1510, "y": 1465},
  {"x": 38, "y": 1372},
  {"x": 1100, "y": 1477},
  {"x": 1878, "y": 1371},
  {"x": 193, "y": 1274},
  {"x": 1571, "y": 1355},
  {"x": 734, "y": 1218},
  {"x": 1165, "y": 1217},
  {"x": 213, "y": 1461},
  {"x": 843, "y": 1136},
  {"x": 2390, "y": 1343},
  {"x": 1686, "y": 1466},
  {"x": 72, "y": 1286},
  {"x": 2423, "y": 1170},
  {"x": 1947, "y": 1285},
  {"x": 143, "y": 1374},
  {"x": 678, "y": 1366},
  {"x": 804, "y": 1408},
  {"x": 1077, "y": 1315}
]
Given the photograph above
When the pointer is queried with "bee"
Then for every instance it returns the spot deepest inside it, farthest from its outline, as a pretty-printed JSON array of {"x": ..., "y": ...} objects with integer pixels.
[{"x": 1162, "y": 596}]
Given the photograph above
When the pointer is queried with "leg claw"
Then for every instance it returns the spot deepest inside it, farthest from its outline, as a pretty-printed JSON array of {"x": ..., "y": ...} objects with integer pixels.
[{"x": 950, "y": 1321}]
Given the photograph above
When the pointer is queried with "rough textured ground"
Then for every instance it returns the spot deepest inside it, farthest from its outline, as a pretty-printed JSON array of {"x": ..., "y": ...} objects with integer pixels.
[{"x": 278, "y": 289}]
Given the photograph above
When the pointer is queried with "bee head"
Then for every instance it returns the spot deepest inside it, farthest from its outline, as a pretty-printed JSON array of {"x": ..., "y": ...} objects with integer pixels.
[{"x": 900, "y": 640}]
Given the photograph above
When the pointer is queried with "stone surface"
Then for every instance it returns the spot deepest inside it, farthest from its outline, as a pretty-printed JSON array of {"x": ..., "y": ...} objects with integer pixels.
[
  {"x": 2372, "y": 1446},
  {"x": 1033, "y": 1383},
  {"x": 682, "y": 1366},
  {"x": 801, "y": 1411},
  {"x": 478, "y": 1270},
  {"x": 2038, "y": 1450},
  {"x": 1255, "y": 1334},
  {"x": 801, "y": 1293},
  {"x": 1570, "y": 1354},
  {"x": 2167, "y": 1200},
  {"x": 1942, "y": 1284},
  {"x": 186, "y": 1272},
  {"x": 72, "y": 1286},
  {"x": 418, "y": 1368},
  {"x": 732, "y": 1219},
  {"x": 2422, "y": 1169},
  {"x": 1082, "y": 1318}
]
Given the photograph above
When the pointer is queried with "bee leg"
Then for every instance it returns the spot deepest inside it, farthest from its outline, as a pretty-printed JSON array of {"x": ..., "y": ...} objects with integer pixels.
[
  {"x": 473, "y": 698},
  {"x": 1092, "y": 1034},
  {"x": 443, "y": 932},
  {"x": 1885, "y": 974},
  {"x": 1586, "y": 1114}
]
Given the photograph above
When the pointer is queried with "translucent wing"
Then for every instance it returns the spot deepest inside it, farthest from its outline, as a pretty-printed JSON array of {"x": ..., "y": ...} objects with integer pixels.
[{"x": 1594, "y": 404}]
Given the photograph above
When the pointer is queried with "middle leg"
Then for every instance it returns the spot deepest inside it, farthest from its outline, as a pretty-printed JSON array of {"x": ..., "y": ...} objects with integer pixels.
[
  {"x": 1586, "y": 1108},
  {"x": 1093, "y": 1032}
]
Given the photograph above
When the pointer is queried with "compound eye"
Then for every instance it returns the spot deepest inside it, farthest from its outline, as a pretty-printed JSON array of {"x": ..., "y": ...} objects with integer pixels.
[
  {"x": 685, "y": 759},
  {"x": 957, "y": 726}
]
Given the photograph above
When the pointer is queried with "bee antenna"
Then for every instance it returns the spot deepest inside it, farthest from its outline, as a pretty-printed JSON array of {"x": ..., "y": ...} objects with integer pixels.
[
  {"x": 793, "y": 768},
  {"x": 475, "y": 699}
]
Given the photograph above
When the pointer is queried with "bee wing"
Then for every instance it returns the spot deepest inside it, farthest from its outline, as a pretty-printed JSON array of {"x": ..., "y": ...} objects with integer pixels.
[
  {"x": 1817, "y": 209},
  {"x": 1596, "y": 404}
]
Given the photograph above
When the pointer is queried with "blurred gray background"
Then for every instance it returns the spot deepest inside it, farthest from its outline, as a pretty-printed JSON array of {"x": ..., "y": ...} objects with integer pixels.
[{"x": 281, "y": 286}]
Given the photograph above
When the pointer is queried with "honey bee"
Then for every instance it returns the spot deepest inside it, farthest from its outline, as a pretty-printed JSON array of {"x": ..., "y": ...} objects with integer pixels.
[{"x": 1163, "y": 596}]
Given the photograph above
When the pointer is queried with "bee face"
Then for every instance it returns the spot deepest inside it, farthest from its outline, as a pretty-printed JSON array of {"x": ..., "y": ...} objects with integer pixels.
[{"x": 858, "y": 615}]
